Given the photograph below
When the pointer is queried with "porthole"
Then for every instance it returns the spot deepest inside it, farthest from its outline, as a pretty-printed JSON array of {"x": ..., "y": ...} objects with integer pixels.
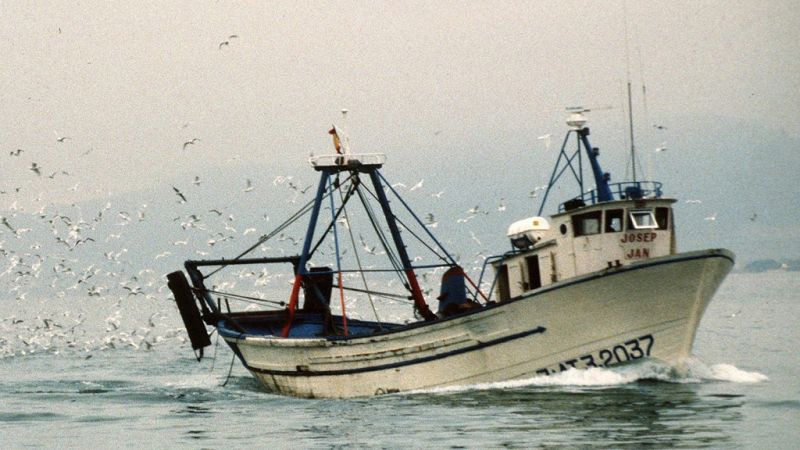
[{"x": 563, "y": 228}]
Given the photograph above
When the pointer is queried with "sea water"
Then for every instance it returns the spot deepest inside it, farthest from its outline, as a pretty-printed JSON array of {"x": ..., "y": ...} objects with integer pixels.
[{"x": 95, "y": 373}]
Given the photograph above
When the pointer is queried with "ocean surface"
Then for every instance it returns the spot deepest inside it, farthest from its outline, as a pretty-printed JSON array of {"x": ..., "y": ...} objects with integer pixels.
[{"x": 95, "y": 373}]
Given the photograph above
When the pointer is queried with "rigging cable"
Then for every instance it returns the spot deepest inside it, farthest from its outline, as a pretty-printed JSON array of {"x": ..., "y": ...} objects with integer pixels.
[
  {"x": 441, "y": 247},
  {"x": 334, "y": 214},
  {"x": 330, "y": 226},
  {"x": 293, "y": 218},
  {"x": 393, "y": 259},
  {"x": 358, "y": 258},
  {"x": 380, "y": 294},
  {"x": 243, "y": 298}
]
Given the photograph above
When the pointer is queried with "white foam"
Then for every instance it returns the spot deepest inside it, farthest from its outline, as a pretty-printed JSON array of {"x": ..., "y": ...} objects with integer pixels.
[
  {"x": 689, "y": 371},
  {"x": 200, "y": 380},
  {"x": 724, "y": 372},
  {"x": 591, "y": 377}
]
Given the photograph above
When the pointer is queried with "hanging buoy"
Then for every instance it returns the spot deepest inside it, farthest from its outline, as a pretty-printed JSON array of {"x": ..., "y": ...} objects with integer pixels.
[{"x": 190, "y": 314}]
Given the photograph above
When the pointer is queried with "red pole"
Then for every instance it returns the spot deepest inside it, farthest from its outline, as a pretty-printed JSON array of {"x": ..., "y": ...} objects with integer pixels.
[
  {"x": 419, "y": 300},
  {"x": 292, "y": 305}
]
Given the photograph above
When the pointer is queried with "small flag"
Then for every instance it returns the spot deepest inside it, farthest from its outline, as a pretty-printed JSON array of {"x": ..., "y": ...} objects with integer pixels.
[{"x": 337, "y": 143}]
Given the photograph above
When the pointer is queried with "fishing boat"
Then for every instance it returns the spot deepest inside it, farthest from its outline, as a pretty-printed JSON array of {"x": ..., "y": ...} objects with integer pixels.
[{"x": 597, "y": 283}]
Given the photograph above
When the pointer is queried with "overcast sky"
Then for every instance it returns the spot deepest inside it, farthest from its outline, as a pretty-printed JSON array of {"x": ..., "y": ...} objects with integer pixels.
[{"x": 129, "y": 82}]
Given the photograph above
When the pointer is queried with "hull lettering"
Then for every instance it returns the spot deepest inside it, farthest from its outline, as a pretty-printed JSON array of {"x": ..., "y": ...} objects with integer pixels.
[{"x": 627, "y": 351}]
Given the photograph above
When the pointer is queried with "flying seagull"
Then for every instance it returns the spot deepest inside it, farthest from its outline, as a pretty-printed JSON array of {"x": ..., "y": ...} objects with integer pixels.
[
  {"x": 35, "y": 168},
  {"x": 546, "y": 139},
  {"x": 192, "y": 142},
  {"x": 227, "y": 42},
  {"x": 4, "y": 221},
  {"x": 431, "y": 221},
  {"x": 179, "y": 194},
  {"x": 15, "y": 152}
]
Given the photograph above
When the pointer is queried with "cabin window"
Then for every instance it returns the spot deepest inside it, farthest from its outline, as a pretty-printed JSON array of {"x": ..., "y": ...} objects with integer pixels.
[
  {"x": 642, "y": 220},
  {"x": 614, "y": 220},
  {"x": 585, "y": 224},
  {"x": 662, "y": 218}
]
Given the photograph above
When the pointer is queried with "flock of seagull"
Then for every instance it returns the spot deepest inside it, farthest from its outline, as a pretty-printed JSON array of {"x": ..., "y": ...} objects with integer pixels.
[{"x": 59, "y": 256}]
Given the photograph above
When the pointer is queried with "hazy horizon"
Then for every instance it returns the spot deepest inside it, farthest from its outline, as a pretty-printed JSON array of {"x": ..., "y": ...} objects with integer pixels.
[{"x": 456, "y": 94}]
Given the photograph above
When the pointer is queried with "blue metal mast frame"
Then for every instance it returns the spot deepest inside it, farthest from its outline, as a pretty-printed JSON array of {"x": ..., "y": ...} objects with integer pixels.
[{"x": 601, "y": 178}]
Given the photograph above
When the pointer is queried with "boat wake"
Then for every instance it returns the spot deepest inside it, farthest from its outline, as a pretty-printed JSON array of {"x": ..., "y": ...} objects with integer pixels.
[
  {"x": 723, "y": 372},
  {"x": 689, "y": 371}
]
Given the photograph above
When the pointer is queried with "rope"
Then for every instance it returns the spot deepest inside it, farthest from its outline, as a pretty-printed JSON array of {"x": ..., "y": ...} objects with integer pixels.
[
  {"x": 419, "y": 239},
  {"x": 243, "y": 298},
  {"x": 334, "y": 215},
  {"x": 398, "y": 268},
  {"x": 331, "y": 225},
  {"x": 379, "y": 293},
  {"x": 293, "y": 218},
  {"x": 230, "y": 369},
  {"x": 358, "y": 258},
  {"x": 422, "y": 225}
]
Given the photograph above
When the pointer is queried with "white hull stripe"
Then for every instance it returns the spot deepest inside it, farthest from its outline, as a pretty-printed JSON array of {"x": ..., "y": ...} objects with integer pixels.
[{"x": 478, "y": 346}]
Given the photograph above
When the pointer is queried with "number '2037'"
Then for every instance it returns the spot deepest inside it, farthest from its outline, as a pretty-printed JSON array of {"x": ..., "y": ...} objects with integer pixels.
[{"x": 628, "y": 351}]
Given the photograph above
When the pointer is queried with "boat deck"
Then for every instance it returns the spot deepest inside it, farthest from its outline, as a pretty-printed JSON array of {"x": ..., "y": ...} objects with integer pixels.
[{"x": 304, "y": 325}]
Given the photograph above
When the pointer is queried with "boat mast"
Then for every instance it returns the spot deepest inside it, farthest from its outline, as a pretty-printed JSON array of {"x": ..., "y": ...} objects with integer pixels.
[
  {"x": 601, "y": 178},
  {"x": 630, "y": 101},
  {"x": 301, "y": 270},
  {"x": 630, "y": 127},
  {"x": 576, "y": 122}
]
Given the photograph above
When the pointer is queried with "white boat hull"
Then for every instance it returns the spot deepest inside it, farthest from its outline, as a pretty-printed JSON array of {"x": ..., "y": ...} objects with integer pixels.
[{"x": 648, "y": 309}]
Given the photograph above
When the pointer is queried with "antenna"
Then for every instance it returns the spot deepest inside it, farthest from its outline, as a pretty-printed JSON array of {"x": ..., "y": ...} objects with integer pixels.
[
  {"x": 630, "y": 127},
  {"x": 583, "y": 109},
  {"x": 630, "y": 102}
]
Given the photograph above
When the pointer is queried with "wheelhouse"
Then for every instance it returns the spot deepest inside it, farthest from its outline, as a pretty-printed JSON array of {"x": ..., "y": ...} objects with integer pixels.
[{"x": 604, "y": 228}]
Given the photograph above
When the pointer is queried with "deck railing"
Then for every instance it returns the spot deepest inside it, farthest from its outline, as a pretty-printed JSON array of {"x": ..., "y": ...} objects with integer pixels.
[{"x": 621, "y": 191}]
